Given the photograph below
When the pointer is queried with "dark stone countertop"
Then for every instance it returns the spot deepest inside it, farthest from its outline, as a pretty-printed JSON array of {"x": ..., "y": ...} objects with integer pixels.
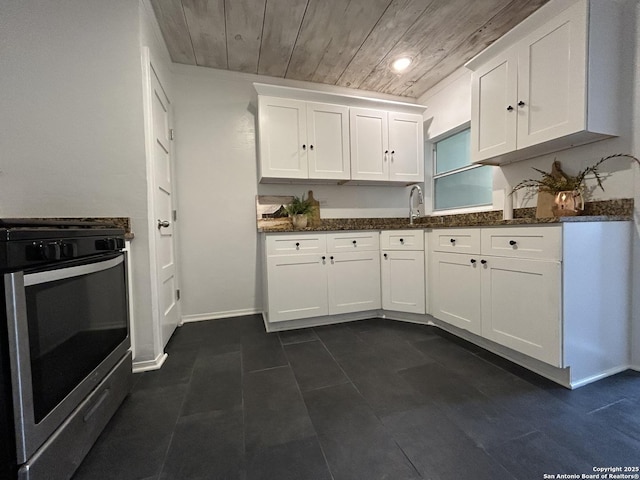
[{"x": 601, "y": 211}]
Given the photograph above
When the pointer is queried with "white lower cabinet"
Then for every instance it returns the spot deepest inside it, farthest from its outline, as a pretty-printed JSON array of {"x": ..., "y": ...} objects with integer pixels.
[
  {"x": 329, "y": 281},
  {"x": 502, "y": 297},
  {"x": 297, "y": 287},
  {"x": 511, "y": 301},
  {"x": 521, "y": 306},
  {"x": 455, "y": 290},
  {"x": 353, "y": 282},
  {"x": 402, "y": 271}
]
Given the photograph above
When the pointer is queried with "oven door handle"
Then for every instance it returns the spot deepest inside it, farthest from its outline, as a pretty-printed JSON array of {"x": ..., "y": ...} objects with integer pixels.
[{"x": 70, "y": 272}]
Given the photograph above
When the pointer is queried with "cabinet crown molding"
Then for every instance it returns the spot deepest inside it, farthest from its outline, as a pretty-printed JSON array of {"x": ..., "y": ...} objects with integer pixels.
[{"x": 306, "y": 95}]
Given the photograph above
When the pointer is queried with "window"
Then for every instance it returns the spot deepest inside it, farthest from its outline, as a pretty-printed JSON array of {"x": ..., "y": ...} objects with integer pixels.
[{"x": 456, "y": 182}]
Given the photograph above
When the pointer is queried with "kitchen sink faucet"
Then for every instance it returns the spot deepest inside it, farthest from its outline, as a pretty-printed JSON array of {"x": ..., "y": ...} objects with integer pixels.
[{"x": 415, "y": 214}]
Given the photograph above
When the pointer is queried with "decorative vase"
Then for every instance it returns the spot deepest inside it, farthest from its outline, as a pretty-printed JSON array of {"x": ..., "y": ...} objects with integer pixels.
[
  {"x": 299, "y": 221},
  {"x": 545, "y": 205},
  {"x": 567, "y": 203}
]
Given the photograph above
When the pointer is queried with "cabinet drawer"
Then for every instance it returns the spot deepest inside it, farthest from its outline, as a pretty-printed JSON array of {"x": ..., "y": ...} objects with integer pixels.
[
  {"x": 292, "y": 244},
  {"x": 402, "y": 240},
  {"x": 458, "y": 240},
  {"x": 353, "y": 242},
  {"x": 523, "y": 242}
]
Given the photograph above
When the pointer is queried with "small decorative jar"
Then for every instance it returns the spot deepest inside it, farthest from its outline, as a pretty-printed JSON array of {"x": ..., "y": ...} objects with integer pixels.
[
  {"x": 299, "y": 221},
  {"x": 569, "y": 202}
]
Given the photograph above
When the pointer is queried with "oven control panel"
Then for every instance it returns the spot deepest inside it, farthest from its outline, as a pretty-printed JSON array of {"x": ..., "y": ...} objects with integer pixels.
[
  {"x": 110, "y": 244},
  {"x": 67, "y": 245}
]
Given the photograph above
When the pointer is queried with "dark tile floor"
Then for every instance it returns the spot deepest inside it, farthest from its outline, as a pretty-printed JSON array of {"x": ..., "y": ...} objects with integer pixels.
[{"x": 374, "y": 399}]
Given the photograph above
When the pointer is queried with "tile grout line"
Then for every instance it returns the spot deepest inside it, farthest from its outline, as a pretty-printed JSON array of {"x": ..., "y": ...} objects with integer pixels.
[
  {"x": 391, "y": 437},
  {"x": 173, "y": 430},
  {"x": 324, "y": 455},
  {"x": 244, "y": 416}
]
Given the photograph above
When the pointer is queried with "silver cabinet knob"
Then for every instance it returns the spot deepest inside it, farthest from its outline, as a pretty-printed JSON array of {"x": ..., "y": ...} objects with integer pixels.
[{"x": 163, "y": 224}]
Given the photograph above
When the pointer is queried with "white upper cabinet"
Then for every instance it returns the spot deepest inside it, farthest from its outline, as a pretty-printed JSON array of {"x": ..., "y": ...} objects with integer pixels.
[
  {"x": 302, "y": 140},
  {"x": 328, "y": 137},
  {"x": 369, "y": 144},
  {"x": 493, "y": 111},
  {"x": 550, "y": 89},
  {"x": 283, "y": 133},
  {"x": 406, "y": 148},
  {"x": 308, "y": 135},
  {"x": 386, "y": 146}
]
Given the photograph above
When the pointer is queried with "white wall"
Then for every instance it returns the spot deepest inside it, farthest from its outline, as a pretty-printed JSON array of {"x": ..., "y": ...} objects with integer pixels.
[
  {"x": 217, "y": 184},
  {"x": 71, "y": 129},
  {"x": 633, "y": 14},
  {"x": 449, "y": 107}
]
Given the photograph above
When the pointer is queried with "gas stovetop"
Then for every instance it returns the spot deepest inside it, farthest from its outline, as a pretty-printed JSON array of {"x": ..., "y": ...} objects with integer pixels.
[
  {"x": 50, "y": 223},
  {"x": 42, "y": 228},
  {"x": 28, "y": 242}
]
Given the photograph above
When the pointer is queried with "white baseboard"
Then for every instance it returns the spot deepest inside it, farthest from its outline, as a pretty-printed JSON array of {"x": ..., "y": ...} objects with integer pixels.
[
  {"x": 200, "y": 317},
  {"x": 594, "y": 378},
  {"x": 149, "y": 365},
  {"x": 318, "y": 321}
]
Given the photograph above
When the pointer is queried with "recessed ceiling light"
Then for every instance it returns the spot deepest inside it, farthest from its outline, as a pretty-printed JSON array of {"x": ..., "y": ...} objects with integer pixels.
[{"x": 401, "y": 64}]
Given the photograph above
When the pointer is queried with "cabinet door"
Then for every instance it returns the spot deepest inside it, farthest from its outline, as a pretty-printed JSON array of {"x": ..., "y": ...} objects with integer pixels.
[
  {"x": 328, "y": 137},
  {"x": 369, "y": 144},
  {"x": 494, "y": 108},
  {"x": 283, "y": 138},
  {"x": 354, "y": 282},
  {"x": 552, "y": 79},
  {"x": 403, "y": 281},
  {"x": 455, "y": 290},
  {"x": 297, "y": 287},
  {"x": 406, "y": 147},
  {"x": 521, "y": 306}
]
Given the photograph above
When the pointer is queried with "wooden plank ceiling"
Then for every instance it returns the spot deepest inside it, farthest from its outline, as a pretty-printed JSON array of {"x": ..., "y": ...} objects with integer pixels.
[{"x": 350, "y": 43}]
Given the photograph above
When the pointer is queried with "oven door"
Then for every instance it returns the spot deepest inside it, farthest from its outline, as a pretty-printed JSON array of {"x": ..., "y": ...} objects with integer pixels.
[{"x": 68, "y": 326}]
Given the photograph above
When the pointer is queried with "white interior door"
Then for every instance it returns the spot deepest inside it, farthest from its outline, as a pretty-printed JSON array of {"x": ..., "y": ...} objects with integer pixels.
[{"x": 163, "y": 209}]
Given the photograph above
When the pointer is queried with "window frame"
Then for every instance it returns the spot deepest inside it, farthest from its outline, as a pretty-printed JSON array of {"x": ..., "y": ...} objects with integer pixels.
[{"x": 434, "y": 176}]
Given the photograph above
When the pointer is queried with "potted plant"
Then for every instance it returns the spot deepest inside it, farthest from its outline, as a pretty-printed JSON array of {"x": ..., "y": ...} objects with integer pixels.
[
  {"x": 298, "y": 210},
  {"x": 562, "y": 194}
]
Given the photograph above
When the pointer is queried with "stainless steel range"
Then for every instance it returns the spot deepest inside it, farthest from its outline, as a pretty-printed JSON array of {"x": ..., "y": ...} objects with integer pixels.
[{"x": 64, "y": 343}]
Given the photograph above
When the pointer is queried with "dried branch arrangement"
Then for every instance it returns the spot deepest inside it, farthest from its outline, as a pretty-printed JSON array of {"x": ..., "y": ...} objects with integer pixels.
[{"x": 557, "y": 181}]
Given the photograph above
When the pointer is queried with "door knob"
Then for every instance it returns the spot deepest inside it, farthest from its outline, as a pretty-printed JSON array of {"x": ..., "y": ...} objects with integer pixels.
[{"x": 163, "y": 224}]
